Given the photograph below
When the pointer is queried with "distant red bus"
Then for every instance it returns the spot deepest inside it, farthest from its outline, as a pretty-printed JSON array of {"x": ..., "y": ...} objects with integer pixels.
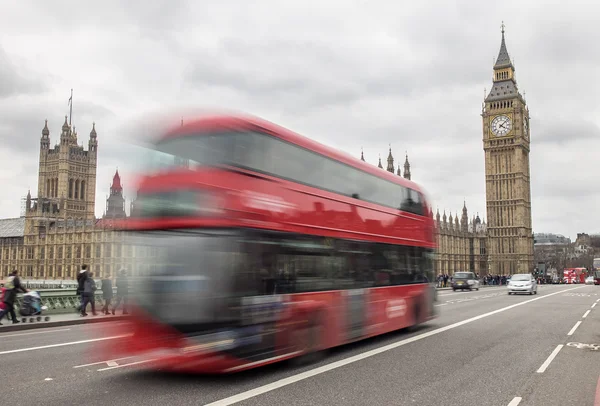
[
  {"x": 574, "y": 275},
  {"x": 257, "y": 245}
]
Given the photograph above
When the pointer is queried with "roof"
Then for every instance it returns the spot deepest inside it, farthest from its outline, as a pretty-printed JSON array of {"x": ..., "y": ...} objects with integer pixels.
[
  {"x": 506, "y": 89},
  {"x": 12, "y": 227},
  {"x": 503, "y": 60},
  {"x": 251, "y": 123}
]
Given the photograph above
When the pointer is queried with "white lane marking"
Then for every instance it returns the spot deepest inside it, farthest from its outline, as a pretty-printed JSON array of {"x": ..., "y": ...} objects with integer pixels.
[
  {"x": 586, "y": 314},
  {"x": 442, "y": 304},
  {"x": 515, "y": 401},
  {"x": 337, "y": 364},
  {"x": 61, "y": 344},
  {"x": 550, "y": 359},
  {"x": 36, "y": 332},
  {"x": 570, "y": 333},
  {"x": 48, "y": 379},
  {"x": 101, "y": 362},
  {"x": 594, "y": 305},
  {"x": 597, "y": 300},
  {"x": 127, "y": 365}
]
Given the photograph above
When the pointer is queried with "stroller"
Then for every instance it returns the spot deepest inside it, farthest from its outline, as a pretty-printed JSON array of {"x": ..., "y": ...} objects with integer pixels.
[{"x": 32, "y": 306}]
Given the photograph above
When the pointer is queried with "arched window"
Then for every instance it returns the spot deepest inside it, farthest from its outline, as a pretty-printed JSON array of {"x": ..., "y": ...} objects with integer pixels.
[
  {"x": 77, "y": 189},
  {"x": 82, "y": 192},
  {"x": 47, "y": 187},
  {"x": 70, "y": 188}
]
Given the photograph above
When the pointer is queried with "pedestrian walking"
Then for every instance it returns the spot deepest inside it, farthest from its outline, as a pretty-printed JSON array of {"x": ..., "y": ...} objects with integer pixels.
[
  {"x": 122, "y": 290},
  {"x": 13, "y": 286},
  {"x": 89, "y": 289},
  {"x": 80, "y": 279},
  {"x": 107, "y": 294},
  {"x": 2, "y": 305}
]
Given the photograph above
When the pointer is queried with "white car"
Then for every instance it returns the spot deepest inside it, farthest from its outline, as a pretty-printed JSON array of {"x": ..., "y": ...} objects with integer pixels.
[
  {"x": 589, "y": 280},
  {"x": 522, "y": 283}
]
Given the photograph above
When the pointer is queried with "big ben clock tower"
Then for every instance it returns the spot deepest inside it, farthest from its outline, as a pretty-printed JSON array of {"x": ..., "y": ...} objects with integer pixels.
[{"x": 507, "y": 177}]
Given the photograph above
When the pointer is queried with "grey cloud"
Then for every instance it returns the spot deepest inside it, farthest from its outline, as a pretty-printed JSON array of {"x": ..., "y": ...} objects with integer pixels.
[
  {"x": 13, "y": 82},
  {"x": 364, "y": 76}
]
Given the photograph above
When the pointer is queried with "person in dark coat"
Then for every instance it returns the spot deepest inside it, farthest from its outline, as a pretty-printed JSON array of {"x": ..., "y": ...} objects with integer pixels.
[
  {"x": 13, "y": 286},
  {"x": 80, "y": 279},
  {"x": 122, "y": 291},
  {"x": 89, "y": 290},
  {"x": 107, "y": 293}
]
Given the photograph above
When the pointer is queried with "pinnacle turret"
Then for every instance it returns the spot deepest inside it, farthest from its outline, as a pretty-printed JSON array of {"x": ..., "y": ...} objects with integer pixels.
[
  {"x": 45, "y": 130},
  {"x": 390, "y": 161},
  {"x": 406, "y": 168},
  {"x": 503, "y": 60}
]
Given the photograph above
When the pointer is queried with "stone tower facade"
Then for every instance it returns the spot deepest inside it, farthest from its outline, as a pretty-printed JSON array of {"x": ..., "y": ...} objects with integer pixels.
[
  {"x": 506, "y": 142},
  {"x": 67, "y": 176}
]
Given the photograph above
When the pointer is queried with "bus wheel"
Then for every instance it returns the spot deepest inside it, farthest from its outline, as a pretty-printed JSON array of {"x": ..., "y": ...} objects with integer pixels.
[{"x": 307, "y": 340}]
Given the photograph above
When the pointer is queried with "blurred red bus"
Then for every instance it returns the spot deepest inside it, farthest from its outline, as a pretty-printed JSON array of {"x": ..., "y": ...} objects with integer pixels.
[{"x": 257, "y": 245}]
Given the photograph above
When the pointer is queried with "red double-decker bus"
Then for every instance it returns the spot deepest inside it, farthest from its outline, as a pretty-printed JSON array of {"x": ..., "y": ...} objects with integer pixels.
[{"x": 256, "y": 245}]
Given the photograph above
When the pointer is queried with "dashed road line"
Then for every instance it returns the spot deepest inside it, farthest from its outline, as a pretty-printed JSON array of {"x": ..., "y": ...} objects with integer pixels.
[
  {"x": 586, "y": 314},
  {"x": 515, "y": 401},
  {"x": 570, "y": 333},
  {"x": 594, "y": 305},
  {"x": 126, "y": 365},
  {"x": 101, "y": 362},
  {"x": 553, "y": 355}
]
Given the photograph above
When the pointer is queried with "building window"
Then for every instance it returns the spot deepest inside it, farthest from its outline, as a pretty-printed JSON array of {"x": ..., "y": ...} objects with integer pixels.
[
  {"x": 60, "y": 253},
  {"x": 78, "y": 252},
  {"x": 82, "y": 192},
  {"x": 88, "y": 251},
  {"x": 70, "y": 188}
]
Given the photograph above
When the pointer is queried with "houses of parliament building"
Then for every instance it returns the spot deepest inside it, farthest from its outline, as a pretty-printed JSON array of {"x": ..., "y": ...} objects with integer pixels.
[{"x": 59, "y": 230}]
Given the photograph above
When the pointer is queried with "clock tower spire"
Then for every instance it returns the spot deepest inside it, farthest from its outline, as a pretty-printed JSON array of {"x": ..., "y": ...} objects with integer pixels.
[{"x": 506, "y": 145}]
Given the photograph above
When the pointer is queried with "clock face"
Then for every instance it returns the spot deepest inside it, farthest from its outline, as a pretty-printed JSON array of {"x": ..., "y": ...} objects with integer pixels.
[{"x": 501, "y": 125}]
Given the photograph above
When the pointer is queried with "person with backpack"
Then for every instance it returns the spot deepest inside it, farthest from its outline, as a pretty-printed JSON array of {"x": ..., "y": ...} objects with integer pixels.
[{"x": 13, "y": 286}]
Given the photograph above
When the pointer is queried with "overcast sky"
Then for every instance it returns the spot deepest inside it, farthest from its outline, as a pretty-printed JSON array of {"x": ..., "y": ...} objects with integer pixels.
[{"x": 350, "y": 74}]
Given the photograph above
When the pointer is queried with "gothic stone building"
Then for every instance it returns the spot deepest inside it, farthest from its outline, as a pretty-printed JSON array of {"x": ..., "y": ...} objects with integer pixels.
[
  {"x": 59, "y": 231},
  {"x": 461, "y": 243}
]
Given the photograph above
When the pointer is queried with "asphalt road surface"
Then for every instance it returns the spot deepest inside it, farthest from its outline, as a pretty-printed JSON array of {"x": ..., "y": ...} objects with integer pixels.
[{"x": 485, "y": 348}]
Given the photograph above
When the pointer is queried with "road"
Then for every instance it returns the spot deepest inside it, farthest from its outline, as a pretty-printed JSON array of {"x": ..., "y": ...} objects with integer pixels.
[{"x": 485, "y": 348}]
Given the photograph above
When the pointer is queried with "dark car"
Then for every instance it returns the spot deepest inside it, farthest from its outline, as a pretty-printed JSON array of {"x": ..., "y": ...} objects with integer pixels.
[{"x": 465, "y": 280}]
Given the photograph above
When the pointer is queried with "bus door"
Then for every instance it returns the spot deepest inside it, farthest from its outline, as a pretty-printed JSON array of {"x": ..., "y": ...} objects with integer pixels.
[{"x": 356, "y": 313}]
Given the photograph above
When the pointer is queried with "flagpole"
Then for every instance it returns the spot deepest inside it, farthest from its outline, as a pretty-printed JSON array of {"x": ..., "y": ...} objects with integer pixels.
[{"x": 71, "y": 108}]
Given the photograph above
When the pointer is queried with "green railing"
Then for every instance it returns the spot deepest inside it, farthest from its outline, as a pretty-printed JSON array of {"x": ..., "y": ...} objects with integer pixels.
[{"x": 60, "y": 300}]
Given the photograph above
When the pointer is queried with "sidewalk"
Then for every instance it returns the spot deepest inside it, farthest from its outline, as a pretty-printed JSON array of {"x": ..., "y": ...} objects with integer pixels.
[{"x": 58, "y": 320}]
